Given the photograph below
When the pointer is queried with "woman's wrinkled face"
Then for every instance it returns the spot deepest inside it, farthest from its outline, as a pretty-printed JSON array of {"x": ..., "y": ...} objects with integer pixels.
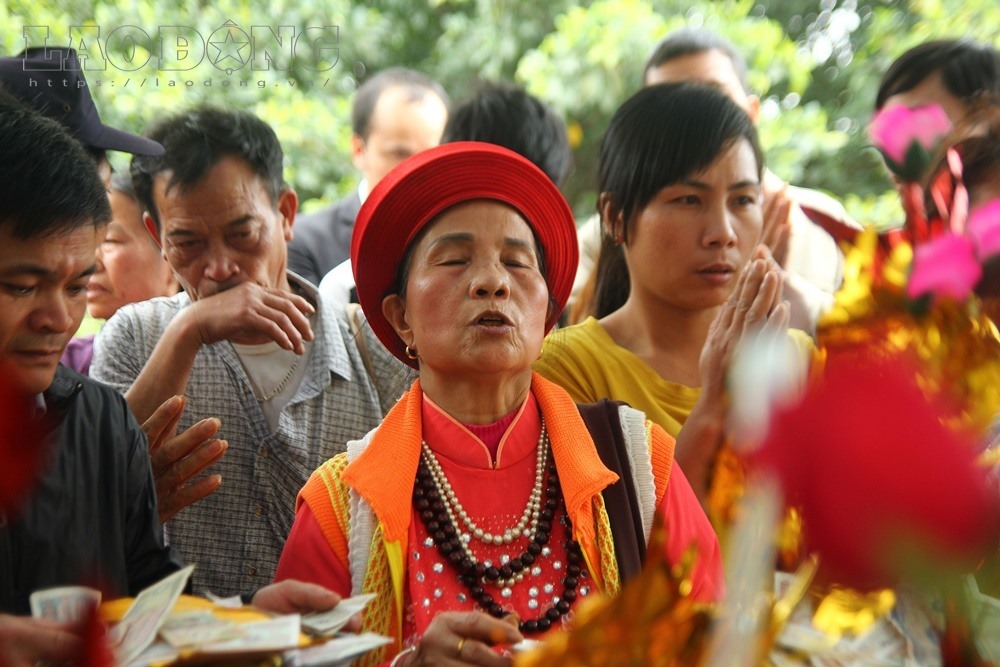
[
  {"x": 130, "y": 266},
  {"x": 475, "y": 298}
]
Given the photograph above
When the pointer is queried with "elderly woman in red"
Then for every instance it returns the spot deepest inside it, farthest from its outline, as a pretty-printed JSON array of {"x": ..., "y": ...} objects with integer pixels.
[{"x": 487, "y": 504}]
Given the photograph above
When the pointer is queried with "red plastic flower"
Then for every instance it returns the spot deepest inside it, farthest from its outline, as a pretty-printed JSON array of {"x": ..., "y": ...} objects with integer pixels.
[
  {"x": 945, "y": 266},
  {"x": 873, "y": 470},
  {"x": 908, "y": 137}
]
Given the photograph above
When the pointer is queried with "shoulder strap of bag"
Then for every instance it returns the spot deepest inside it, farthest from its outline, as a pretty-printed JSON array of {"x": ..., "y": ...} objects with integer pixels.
[{"x": 620, "y": 500}]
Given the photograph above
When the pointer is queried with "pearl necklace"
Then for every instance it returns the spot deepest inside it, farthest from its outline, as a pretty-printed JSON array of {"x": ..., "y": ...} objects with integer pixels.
[
  {"x": 529, "y": 518},
  {"x": 431, "y": 507}
]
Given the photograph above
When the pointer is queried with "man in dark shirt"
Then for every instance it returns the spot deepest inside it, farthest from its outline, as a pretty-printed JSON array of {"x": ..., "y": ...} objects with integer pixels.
[
  {"x": 51, "y": 82},
  {"x": 90, "y": 515},
  {"x": 397, "y": 113}
]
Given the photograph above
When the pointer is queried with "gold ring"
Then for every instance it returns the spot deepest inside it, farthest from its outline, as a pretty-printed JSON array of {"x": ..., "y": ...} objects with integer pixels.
[{"x": 461, "y": 645}]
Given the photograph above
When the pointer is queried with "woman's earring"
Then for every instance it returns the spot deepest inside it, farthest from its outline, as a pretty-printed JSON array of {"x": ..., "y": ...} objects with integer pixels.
[{"x": 411, "y": 353}]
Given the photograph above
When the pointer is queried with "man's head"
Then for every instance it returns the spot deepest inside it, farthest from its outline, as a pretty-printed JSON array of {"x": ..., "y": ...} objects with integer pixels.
[
  {"x": 53, "y": 207},
  {"x": 217, "y": 200},
  {"x": 51, "y": 81},
  {"x": 692, "y": 54},
  {"x": 508, "y": 116},
  {"x": 397, "y": 113},
  {"x": 947, "y": 72}
]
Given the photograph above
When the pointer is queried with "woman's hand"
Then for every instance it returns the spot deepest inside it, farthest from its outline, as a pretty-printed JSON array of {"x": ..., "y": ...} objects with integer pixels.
[
  {"x": 777, "y": 223},
  {"x": 754, "y": 306},
  {"x": 464, "y": 638}
]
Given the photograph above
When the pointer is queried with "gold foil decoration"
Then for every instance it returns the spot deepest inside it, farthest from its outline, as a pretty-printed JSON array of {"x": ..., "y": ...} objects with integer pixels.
[
  {"x": 843, "y": 611},
  {"x": 783, "y": 606},
  {"x": 653, "y": 621},
  {"x": 956, "y": 347},
  {"x": 790, "y": 540},
  {"x": 725, "y": 491}
]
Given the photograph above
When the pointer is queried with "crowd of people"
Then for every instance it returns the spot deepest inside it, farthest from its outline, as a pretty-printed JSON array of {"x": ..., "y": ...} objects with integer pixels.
[{"x": 440, "y": 389}]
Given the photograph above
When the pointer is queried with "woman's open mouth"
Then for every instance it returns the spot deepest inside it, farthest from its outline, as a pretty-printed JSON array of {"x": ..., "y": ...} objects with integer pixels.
[{"x": 493, "y": 319}]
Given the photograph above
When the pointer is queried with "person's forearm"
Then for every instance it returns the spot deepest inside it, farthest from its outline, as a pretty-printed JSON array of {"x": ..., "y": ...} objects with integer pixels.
[
  {"x": 167, "y": 371},
  {"x": 698, "y": 444}
]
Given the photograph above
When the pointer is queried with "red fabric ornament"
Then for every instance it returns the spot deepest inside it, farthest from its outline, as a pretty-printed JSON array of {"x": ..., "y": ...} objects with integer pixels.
[
  {"x": 96, "y": 649},
  {"x": 22, "y": 450},
  {"x": 866, "y": 458}
]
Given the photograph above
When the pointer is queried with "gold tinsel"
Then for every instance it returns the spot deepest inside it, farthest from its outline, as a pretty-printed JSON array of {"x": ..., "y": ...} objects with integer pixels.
[
  {"x": 653, "y": 621},
  {"x": 956, "y": 347}
]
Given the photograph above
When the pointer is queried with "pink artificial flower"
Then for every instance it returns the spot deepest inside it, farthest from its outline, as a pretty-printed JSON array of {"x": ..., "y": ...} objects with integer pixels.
[
  {"x": 885, "y": 132},
  {"x": 945, "y": 266},
  {"x": 895, "y": 130},
  {"x": 928, "y": 125},
  {"x": 984, "y": 228}
]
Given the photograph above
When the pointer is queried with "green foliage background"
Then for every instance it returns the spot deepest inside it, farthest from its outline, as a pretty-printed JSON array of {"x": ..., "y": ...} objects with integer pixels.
[{"x": 815, "y": 65}]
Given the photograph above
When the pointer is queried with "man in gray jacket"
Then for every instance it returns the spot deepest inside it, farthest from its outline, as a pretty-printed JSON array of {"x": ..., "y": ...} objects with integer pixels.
[
  {"x": 247, "y": 342},
  {"x": 86, "y": 511}
]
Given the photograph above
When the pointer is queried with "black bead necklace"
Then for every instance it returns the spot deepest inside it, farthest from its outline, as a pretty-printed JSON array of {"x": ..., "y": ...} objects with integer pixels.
[{"x": 473, "y": 575}]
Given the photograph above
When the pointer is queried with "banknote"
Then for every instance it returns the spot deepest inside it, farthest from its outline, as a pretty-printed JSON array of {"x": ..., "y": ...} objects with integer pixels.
[
  {"x": 139, "y": 626},
  {"x": 328, "y": 623},
  {"x": 232, "y": 602},
  {"x": 280, "y": 633},
  {"x": 66, "y": 604},
  {"x": 338, "y": 651},
  {"x": 196, "y": 628},
  {"x": 157, "y": 653}
]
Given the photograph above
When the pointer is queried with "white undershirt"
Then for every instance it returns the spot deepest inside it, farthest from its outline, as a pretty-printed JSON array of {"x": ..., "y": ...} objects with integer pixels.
[
  {"x": 267, "y": 365},
  {"x": 336, "y": 286}
]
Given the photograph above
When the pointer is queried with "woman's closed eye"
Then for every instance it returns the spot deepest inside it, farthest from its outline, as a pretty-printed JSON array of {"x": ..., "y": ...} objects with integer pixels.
[{"x": 519, "y": 260}]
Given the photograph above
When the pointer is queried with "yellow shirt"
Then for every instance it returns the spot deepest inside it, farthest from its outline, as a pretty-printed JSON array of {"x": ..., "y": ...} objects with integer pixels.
[{"x": 588, "y": 364}]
